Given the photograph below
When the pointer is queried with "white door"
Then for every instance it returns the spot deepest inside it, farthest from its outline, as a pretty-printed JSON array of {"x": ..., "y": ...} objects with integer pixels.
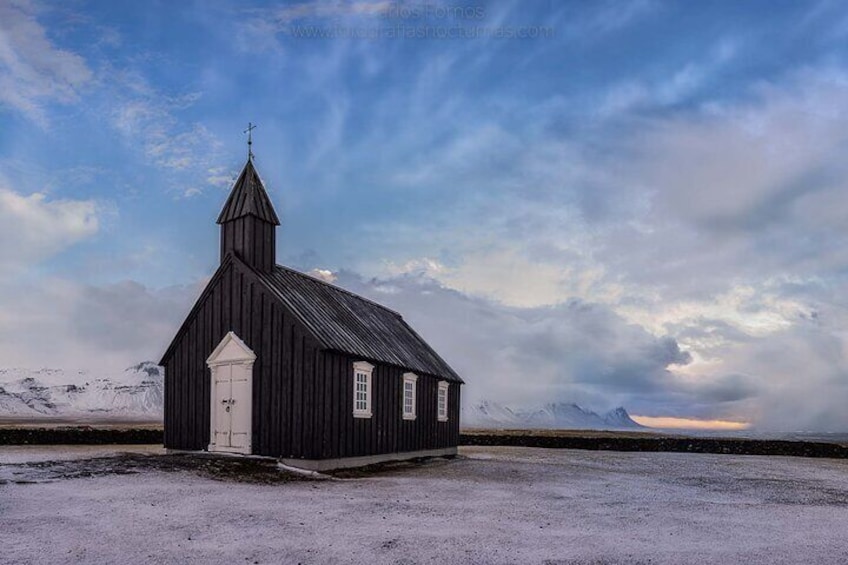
[
  {"x": 240, "y": 407},
  {"x": 231, "y": 411},
  {"x": 231, "y": 367},
  {"x": 222, "y": 412}
]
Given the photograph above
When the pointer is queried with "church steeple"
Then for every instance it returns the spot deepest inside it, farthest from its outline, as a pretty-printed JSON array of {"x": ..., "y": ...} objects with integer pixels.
[{"x": 248, "y": 222}]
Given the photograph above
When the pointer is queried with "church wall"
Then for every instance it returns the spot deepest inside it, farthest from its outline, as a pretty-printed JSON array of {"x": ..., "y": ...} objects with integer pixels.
[
  {"x": 302, "y": 396},
  {"x": 339, "y": 434},
  {"x": 283, "y": 371}
]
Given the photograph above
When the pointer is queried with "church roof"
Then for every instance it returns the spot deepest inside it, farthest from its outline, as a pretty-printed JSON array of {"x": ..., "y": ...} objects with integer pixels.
[
  {"x": 248, "y": 197},
  {"x": 345, "y": 322}
]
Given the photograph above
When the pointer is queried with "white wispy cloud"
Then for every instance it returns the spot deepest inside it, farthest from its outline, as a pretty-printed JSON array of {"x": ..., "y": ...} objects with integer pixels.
[
  {"x": 220, "y": 177},
  {"x": 426, "y": 266},
  {"x": 673, "y": 87},
  {"x": 150, "y": 118},
  {"x": 151, "y": 121},
  {"x": 720, "y": 224},
  {"x": 34, "y": 72},
  {"x": 604, "y": 17},
  {"x": 41, "y": 227},
  {"x": 329, "y": 10},
  {"x": 640, "y": 212}
]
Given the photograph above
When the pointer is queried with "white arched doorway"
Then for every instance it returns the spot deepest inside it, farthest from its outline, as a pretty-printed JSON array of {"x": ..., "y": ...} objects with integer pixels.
[{"x": 231, "y": 368}]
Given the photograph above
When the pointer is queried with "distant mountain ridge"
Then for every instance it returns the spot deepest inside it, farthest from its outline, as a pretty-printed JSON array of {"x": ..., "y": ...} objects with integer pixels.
[
  {"x": 137, "y": 392},
  {"x": 554, "y": 415}
]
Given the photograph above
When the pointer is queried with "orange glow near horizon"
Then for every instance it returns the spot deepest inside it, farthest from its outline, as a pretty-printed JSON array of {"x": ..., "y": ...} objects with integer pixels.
[{"x": 689, "y": 423}]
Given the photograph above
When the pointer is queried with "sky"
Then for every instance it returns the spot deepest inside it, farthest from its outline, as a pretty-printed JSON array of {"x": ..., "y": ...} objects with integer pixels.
[{"x": 637, "y": 203}]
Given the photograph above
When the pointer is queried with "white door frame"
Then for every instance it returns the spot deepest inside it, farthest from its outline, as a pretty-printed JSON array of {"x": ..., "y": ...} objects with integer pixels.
[{"x": 231, "y": 351}]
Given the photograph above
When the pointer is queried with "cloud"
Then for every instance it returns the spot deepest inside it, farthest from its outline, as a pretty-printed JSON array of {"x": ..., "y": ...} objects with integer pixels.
[
  {"x": 746, "y": 215},
  {"x": 607, "y": 17},
  {"x": 575, "y": 351},
  {"x": 259, "y": 30},
  {"x": 673, "y": 87},
  {"x": 669, "y": 216},
  {"x": 329, "y": 10},
  {"x": 720, "y": 224},
  {"x": 149, "y": 118},
  {"x": 325, "y": 275},
  {"x": 746, "y": 166},
  {"x": 60, "y": 323},
  {"x": 800, "y": 377},
  {"x": 642, "y": 229},
  {"x": 33, "y": 71},
  {"x": 35, "y": 227},
  {"x": 220, "y": 177},
  {"x": 424, "y": 266},
  {"x": 791, "y": 379}
]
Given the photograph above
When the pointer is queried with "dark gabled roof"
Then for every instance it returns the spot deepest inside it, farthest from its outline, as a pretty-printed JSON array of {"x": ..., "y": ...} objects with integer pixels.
[
  {"x": 248, "y": 198},
  {"x": 345, "y": 322}
]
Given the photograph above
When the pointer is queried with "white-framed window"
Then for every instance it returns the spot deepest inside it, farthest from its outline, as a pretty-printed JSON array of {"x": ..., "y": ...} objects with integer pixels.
[
  {"x": 362, "y": 389},
  {"x": 442, "y": 406},
  {"x": 410, "y": 382}
]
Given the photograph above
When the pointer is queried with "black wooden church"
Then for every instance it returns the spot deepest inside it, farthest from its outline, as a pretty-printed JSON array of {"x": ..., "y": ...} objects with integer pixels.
[{"x": 271, "y": 361}]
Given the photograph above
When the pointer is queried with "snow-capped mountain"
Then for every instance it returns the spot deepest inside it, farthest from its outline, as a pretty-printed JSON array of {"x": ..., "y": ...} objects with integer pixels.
[
  {"x": 136, "y": 393},
  {"x": 619, "y": 418},
  {"x": 487, "y": 414},
  {"x": 560, "y": 415}
]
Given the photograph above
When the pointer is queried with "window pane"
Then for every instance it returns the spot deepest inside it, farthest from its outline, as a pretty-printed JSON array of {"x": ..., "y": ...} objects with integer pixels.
[
  {"x": 443, "y": 409},
  {"x": 360, "y": 392},
  {"x": 408, "y": 398}
]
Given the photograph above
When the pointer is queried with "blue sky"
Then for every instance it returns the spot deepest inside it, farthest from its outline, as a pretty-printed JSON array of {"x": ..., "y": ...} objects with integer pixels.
[{"x": 643, "y": 203}]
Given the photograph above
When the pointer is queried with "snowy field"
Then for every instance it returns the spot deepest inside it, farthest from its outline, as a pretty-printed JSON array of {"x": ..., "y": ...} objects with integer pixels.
[{"x": 492, "y": 505}]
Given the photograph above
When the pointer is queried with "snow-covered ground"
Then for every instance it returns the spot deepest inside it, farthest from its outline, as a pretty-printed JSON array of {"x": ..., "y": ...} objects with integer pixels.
[
  {"x": 493, "y": 505},
  {"x": 21, "y": 454}
]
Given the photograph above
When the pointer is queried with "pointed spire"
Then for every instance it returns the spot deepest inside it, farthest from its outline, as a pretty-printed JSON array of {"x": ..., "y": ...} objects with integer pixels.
[{"x": 248, "y": 198}]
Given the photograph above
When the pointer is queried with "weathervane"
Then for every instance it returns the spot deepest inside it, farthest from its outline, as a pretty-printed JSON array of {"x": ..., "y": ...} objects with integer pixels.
[{"x": 249, "y": 131}]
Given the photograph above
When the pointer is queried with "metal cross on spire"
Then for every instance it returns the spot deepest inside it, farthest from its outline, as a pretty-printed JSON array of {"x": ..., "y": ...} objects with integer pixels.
[{"x": 249, "y": 131}]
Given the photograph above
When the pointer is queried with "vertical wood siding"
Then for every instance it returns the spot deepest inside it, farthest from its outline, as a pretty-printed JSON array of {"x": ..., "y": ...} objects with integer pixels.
[
  {"x": 239, "y": 303},
  {"x": 386, "y": 431},
  {"x": 302, "y": 396},
  {"x": 253, "y": 240}
]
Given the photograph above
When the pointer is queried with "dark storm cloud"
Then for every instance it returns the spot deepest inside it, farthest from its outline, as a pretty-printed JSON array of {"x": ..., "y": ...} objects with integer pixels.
[{"x": 731, "y": 388}]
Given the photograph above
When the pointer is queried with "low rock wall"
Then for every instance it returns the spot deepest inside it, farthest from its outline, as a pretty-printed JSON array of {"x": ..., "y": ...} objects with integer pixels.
[
  {"x": 85, "y": 435},
  {"x": 675, "y": 444},
  {"x": 80, "y": 435}
]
